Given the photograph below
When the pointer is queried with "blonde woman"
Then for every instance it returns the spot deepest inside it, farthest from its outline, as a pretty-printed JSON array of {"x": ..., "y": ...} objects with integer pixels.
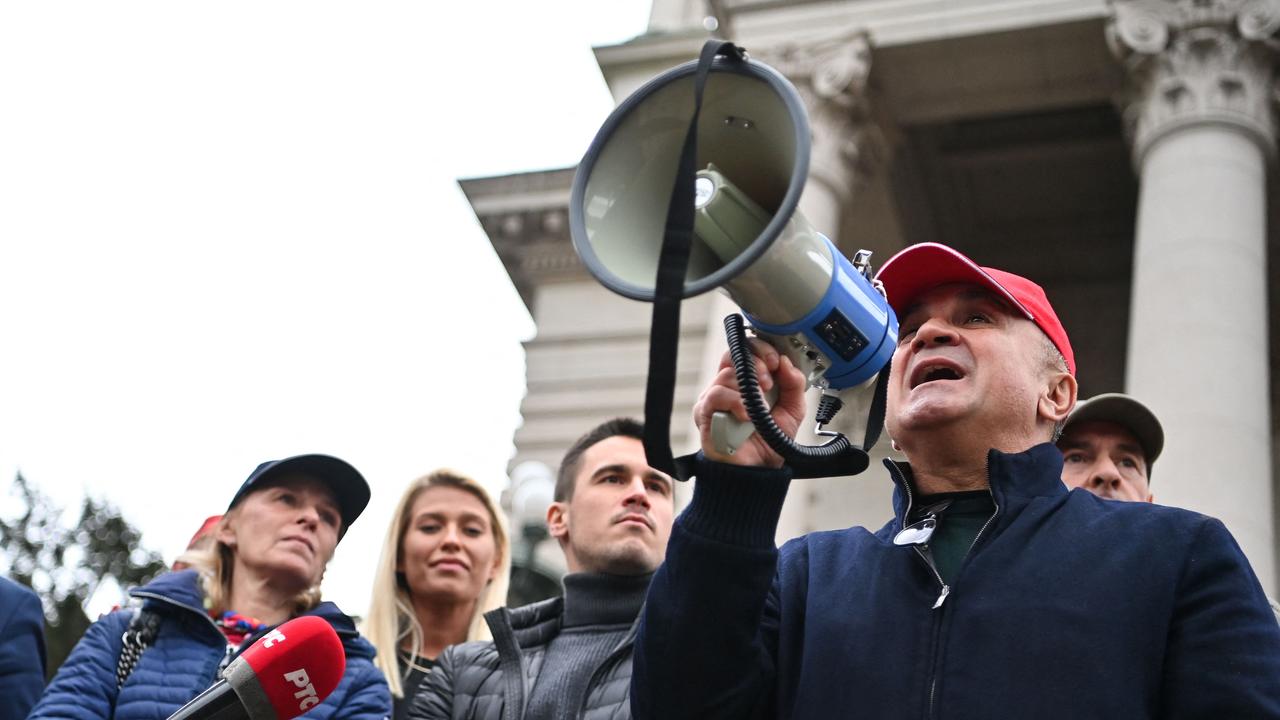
[
  {"x": 267, "y": 558},
  {"x": 445, "y": 563}
]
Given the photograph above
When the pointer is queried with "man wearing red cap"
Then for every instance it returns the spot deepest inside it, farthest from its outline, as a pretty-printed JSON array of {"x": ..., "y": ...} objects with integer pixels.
[{"x": 991, "y": 593}]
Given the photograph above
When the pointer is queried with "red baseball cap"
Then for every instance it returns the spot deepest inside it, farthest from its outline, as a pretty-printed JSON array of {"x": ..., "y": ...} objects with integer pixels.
[
  {"x": 206, "y": 527},
  {"x": 920, "y": 268}
]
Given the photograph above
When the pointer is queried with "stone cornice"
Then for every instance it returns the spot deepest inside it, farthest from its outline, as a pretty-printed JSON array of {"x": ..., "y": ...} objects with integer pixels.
[
  {"x": 526, "y": 217},
  {"x": 1193, "y": 62},
  {"x": 900, "y": 24},
  {"x": 832, "y": 77}
]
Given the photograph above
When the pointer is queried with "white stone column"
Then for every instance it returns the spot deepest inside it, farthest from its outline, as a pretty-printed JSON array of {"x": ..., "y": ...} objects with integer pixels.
[
  {"x": 831, "y": 76},
  {"x": 1201, "y": 116}
]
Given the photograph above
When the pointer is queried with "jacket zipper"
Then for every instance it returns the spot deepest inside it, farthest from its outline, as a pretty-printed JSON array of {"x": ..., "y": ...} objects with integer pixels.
[
  {"x": 227, "y": 654},
  {"x": 226, "y": 660},
  {"x": 927, "y": 555},
  {"x": 933, "y": 675},
  {"x": 515, "y": 694},
  {"x": 612, "y": 658},
  {"x": 928, "y": 560},
  {"x": 983, "y": 529}
]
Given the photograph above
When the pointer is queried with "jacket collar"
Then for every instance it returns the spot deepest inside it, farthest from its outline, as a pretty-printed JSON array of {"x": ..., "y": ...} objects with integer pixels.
[
  {"x": 345, "y": 627},
  {"x": 182, "y": 589},
  {"x": 527, "y": 625},
  {"x": 1015, "y": 478},
  {"x": 531, "y": 625}
]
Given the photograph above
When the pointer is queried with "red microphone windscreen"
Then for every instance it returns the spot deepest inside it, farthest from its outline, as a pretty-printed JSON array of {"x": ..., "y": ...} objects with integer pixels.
[{"x": 289, "y": 670}]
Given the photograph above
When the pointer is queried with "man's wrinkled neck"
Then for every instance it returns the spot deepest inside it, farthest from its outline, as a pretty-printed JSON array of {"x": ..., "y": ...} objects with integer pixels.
[{"x": 955, "y": 459}]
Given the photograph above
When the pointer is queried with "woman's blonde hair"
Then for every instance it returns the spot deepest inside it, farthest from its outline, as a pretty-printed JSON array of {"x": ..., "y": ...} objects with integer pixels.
[
  {"x": 391, "y": 617},
  {"x": 215, "y": 562}
]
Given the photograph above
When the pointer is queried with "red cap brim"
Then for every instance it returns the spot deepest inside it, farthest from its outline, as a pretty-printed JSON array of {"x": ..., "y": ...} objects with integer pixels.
[{"x": 920, "y": 268}]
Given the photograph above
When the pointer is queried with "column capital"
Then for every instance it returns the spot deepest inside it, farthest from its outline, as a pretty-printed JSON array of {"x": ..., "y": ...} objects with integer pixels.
[
  {"x": 1197, "y": 62},
  {"x": 832, "y": 76}
]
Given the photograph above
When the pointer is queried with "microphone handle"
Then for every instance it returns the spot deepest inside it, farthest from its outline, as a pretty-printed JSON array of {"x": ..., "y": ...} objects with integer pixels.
[{"x": 219, "y": 702}]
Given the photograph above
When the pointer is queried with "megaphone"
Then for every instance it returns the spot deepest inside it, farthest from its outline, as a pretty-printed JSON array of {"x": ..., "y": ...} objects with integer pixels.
[{"x": 750, "y": 143}]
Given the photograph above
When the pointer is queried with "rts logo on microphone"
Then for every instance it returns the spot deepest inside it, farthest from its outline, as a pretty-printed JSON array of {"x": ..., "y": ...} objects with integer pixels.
[
  {"x": 307, "y": 694},
  {"x": 296, "y": 666}
]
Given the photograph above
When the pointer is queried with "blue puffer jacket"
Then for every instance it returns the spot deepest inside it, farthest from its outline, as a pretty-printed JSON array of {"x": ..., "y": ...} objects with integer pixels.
[
  {"x": 184, "y": 661},
  {"x": 22, "y": 654},
  {"x": 1067, "y": 606}
]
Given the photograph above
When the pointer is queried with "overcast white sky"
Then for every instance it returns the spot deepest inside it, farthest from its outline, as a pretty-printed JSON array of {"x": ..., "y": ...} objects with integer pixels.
[{"x": 231, "y": 232}]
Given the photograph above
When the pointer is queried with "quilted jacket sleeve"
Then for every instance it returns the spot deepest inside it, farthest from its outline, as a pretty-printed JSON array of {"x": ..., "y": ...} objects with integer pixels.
[
  {"x": 1223, "y": 656},
  {"x": 708, "y": 634},
  {"x": 85, "y": 686},
  {"x": 434, "y": 700},
  {"x": 368, "y": 697},
  {"x": 21, "y": 650}
]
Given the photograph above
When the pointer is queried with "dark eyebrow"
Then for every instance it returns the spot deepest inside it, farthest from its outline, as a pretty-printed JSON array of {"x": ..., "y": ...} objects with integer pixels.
[
  {"x": 984, "y": 295},
  {"x": 609, "y": 469},
  {"x": 1132, "y": 449},
  {"x": 655, "y": 475},
  {"x": 972, "y": 292},
  {"x": 623, "y": 469},
  {"x": 331, "y": 509}
]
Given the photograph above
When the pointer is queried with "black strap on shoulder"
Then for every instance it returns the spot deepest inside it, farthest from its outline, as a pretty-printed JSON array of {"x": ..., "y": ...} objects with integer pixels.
[
  {"x": 140, "y": 635},
  {"x": 673, "y": 264},
  {"x": 875, "y": 418}
]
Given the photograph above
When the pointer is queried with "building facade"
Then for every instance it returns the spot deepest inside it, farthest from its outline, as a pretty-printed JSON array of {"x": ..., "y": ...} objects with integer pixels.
[{"x": 1119, "y": 153}]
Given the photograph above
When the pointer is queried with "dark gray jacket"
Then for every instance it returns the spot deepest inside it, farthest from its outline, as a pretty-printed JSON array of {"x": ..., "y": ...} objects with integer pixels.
[{"x": 493, "y": 680}]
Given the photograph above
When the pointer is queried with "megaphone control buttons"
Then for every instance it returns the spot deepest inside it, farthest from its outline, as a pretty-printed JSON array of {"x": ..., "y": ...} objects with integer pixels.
[{"x": 840, "y": 334}]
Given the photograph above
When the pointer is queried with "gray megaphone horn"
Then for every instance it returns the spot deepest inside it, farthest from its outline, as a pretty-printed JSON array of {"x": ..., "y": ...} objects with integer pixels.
[{"x": 697, "y": 176}]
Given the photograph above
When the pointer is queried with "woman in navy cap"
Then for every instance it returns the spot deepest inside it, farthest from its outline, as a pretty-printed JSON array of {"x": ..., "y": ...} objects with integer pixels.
[{"x": 265, "y": 567}]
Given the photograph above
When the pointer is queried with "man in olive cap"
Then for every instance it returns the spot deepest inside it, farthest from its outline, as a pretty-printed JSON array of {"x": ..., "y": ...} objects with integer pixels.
[{"x": 1109, "y": 444}]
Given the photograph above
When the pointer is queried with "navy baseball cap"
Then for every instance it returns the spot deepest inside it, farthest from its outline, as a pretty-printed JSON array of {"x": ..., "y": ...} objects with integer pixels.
[{"x": 347, "y": 484}]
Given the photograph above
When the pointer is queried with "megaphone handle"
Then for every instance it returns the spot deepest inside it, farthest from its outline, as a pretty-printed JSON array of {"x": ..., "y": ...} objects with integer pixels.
[
  {"x": 728, "y": 433},
  {"x": 837, "y": 457}
]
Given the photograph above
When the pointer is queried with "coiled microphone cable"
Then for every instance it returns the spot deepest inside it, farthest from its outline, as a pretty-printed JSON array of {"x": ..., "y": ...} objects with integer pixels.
[{"x": 838, "y": 456}]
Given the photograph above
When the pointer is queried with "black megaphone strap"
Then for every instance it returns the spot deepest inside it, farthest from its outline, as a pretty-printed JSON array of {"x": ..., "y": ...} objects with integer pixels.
[{"x": 673, "y": 264}]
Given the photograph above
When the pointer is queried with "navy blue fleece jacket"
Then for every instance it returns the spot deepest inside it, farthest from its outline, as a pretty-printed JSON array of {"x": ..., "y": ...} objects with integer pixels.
[{"x": 1067, "y": 606}]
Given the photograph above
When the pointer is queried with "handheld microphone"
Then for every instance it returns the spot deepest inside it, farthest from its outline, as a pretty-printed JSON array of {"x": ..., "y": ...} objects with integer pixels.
[{"x": 284, "y": 674}]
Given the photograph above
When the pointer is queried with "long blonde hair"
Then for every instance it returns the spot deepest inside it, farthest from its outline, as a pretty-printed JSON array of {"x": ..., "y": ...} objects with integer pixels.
[
  {"x": 215, "y": 563},
  {"x": 391, "y": 617}
]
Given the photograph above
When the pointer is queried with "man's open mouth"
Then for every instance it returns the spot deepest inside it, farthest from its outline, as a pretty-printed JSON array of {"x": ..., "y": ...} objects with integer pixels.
[{"x": 932, "y": 371}]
